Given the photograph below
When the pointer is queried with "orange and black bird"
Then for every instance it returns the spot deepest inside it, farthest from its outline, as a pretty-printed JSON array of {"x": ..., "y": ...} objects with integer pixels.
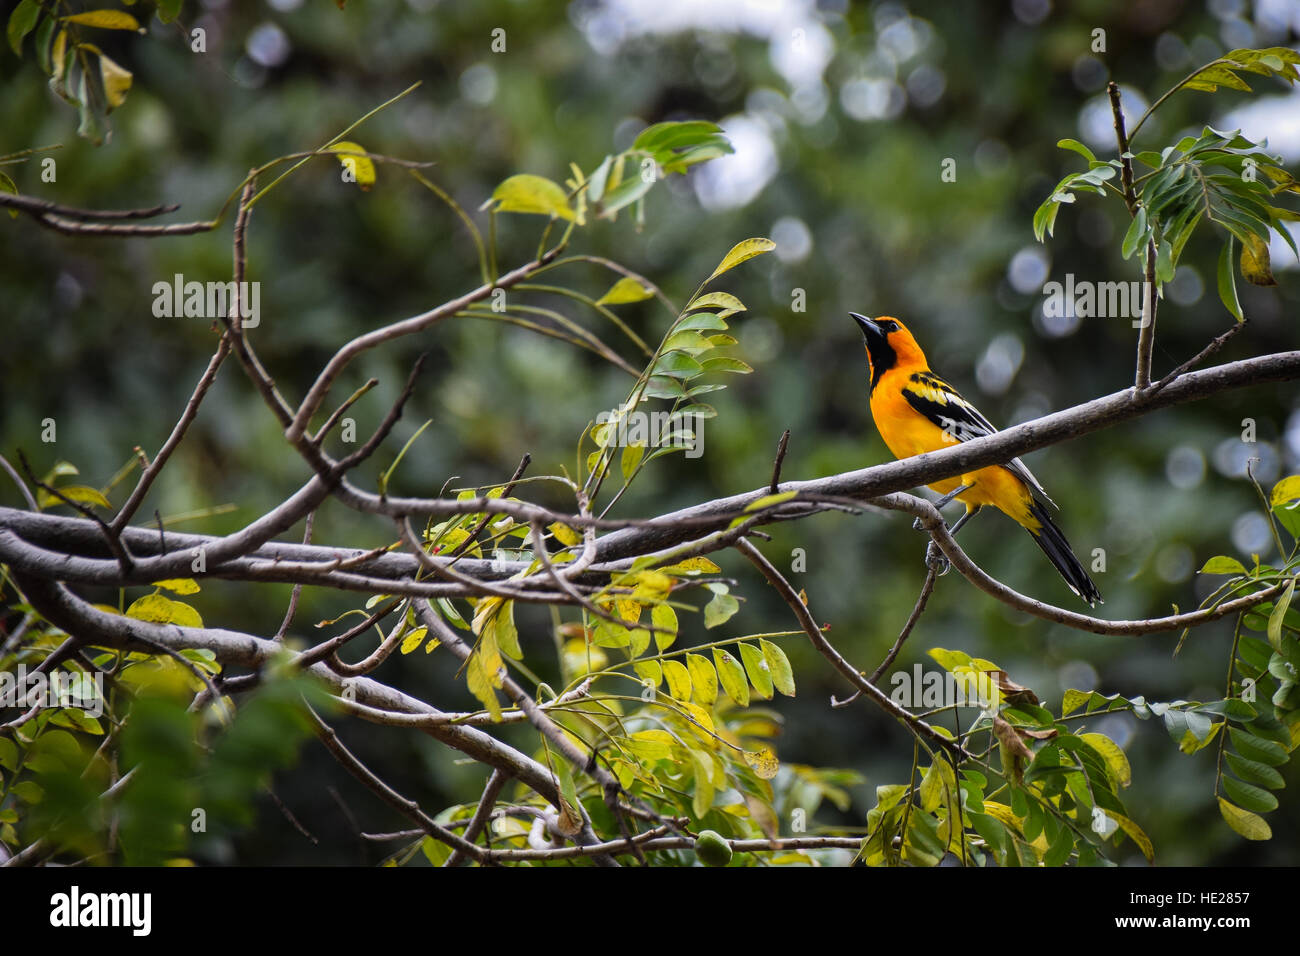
[{"x": 916, "y": 411}]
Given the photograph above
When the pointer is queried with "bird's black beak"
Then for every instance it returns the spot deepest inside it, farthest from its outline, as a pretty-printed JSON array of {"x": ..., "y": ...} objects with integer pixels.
[
  {"x": 880, "y": 354},
  {"x": 870, "y": 331}
]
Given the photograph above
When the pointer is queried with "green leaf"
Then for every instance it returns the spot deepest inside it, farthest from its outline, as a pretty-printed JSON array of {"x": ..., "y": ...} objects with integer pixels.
[
  {"x": 599, "y": 178},
  {"x": 1223, "y": 565},
  {"x": 624, "y": 290},
  {"x": 663, "y": 137},
  {"x": 1078, "y": 147},
  {"x": 720, "y": 609},
  {"x": 723, "y": 364},
  {"x": 169, "y": 10},
  {"x": 624, "y": 194},
  {"x": 1137, "y": 231},
  {"x": 662, "y": 386},
  {"x": 537, "y": 195},
  {"x": 1245, "y": 823},
  {"x": 1248, "y": 795},
  {"x": 1276, "y": 618},
  {"x": 732, "y": 676},
  {"x": 1252, "y": 771},
  {"x": 1227, "y": 283},
  {"x": 21, "y": 22},
  {"x": 629, "y": 459},
  {"x": 741, "y": 252},
  {"x": 1257, "y": 748},
  {"x": 105, "y": 20},
  {"x": 756, "y": 667},
  {"x": 703, "y": 321},
  {"x": 677, "y": 365},
  {"x": 778, "y": 666},
  {"x": 704, "y": 679},
  {"x": 1058, "y": 850}
]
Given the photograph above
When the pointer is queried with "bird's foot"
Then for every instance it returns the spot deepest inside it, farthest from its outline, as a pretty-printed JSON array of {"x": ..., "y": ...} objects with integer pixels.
[{"x": 936, "y": 561}]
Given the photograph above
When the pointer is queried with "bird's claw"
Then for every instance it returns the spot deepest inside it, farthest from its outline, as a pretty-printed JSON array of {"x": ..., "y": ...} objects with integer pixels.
[{"x": 936, "y": 561}]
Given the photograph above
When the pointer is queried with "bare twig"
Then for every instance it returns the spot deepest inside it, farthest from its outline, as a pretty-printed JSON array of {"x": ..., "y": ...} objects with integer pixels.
[
  {"x": 931, "y": 576},
  {"x": 1215, "y": 344},
  {"x": 495, "y": 783},
  {"x": 152, "y": 469},
  {"x": 823, "y": 646},
  {"x": 780, "y": 457}
]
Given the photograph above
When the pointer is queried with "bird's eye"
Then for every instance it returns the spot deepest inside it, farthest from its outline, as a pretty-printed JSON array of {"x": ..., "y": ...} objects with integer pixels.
[{"x": 889, "y": 326}]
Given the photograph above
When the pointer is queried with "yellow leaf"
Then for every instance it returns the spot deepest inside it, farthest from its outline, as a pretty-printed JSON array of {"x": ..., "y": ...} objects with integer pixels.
[
  {"x": 564, "y": 534},
  {"x": 1286, "y": 490},
  {"x": 704, "y": 679},
  {"x": 484, "y": 673},
  {"x": 1136, "y": 834},
  {"x": 664, "y": 619},
  {"x": 624, "y": 290},
  {"x": 763, "y": 762},
  {"x": 58, "y": 56},
  {"x": 178, "y": 585},
  {"x": 740, "y": 252},
  {"x": 628, "y": 610},
  {"x": 161, "y": 609},
  {"x": 104, "y": 19},
  {"x": 356, "y": 163},
  {"x": 652, "y": 586},
  {"x": 650, "y": 744},
  {"x": 1256, "y": 267},
  {"x": 82, "y": 494},
  {"x": 1117, "y": 765},
  {"x": 414, "y": 639},
  {"x": 679, "y": 680},
  {"x": 117, "y": 81},
  {"x": 692, "y": 565},
  {"x": 533, "y": 194}
]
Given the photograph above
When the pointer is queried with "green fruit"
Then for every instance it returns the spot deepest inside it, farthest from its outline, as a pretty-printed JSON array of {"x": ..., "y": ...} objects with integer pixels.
[{"x": 712, "y": 849}]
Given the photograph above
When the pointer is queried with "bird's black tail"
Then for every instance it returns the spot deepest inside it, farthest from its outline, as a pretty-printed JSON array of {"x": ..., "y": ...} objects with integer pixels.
[{"x": 1052, "y": 540}]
